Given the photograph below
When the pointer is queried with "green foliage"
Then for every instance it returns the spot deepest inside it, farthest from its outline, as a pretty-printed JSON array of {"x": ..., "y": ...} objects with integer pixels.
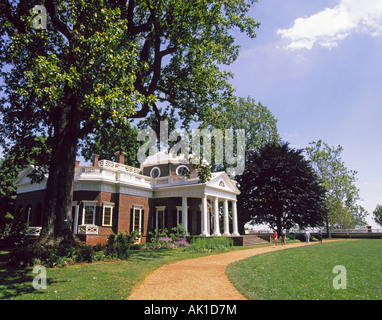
[
  {"x": 199, "y": 244},
  {"x": 279, "y": 188},
  {"x": 339, "y": 182},
  {"x": 204, "y": 171},
  {"x": 378, "y": 214},
  {"x": 162, "y": 240},
  {"x": 101, "y": 63},
  {"x": 58, "y": 256},
  {"x": 14, "y": 233},
  {"x": 119, "y": 244}
]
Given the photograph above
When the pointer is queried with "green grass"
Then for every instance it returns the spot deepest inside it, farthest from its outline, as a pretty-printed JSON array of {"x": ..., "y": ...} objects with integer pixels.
[
  {"x": 307, "y": 272},
  {"x": 97, "y": 280}
]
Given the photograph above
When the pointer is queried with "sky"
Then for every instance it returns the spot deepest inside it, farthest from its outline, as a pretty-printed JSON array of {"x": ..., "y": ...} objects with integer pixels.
[{"x": 317, "y": 66}]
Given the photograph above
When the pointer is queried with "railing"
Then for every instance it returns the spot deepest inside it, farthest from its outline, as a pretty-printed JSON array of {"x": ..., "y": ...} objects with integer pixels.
[
  {"x": 175, "y": 180},
  {"x": 104, "y": 173},
  {"x": 87, "y": 229},
  {"x": 33, "y": 231},
  {"x": 356, "y": 230},
  {"x": 118, "y": 166}
]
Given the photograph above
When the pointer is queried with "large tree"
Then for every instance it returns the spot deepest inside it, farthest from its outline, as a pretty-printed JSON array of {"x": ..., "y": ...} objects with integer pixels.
[
  {"x": 97, "y": 60},
  {"x": 342, "y": 195},
  {"x": 279, "y": 188}
]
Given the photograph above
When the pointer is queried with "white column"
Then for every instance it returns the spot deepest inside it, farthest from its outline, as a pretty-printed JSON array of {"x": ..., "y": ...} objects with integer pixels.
[
  {"x": 204, "y": 222},
  {"x": 226, "y": 218},
  {"x": 184, "y": 214},
  {"x": 234, "y": 219},
  {"x": 216, "y": 218},
  {"x": 75, "y": 225}
]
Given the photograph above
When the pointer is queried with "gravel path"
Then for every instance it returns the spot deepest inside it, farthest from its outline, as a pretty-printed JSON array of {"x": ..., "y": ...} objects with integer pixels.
[{"x": 197, "y": 279}]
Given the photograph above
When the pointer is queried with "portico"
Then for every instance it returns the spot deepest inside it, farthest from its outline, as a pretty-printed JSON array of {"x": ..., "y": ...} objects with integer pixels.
[{"x": 216, "y": 199}]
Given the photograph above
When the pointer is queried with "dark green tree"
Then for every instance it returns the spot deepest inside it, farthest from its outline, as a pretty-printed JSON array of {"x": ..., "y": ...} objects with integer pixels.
[
  {"x": 279, "y": 188},
  {"x": 98, "y": 60},
  {"x": 30, "y": 152},
  {"x": 377, "y": 213}
]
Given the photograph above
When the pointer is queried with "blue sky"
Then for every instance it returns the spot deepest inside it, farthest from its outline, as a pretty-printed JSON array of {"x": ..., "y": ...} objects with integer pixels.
[{"x": 317, "y": 66}]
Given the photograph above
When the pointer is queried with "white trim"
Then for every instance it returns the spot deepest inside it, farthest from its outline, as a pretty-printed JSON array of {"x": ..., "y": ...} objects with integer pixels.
[
  {"x": 104, "y": 206},
  {"x": 88, "y": 204},
  {"x": 151, "y": 171},
  {"x": 139, "y": 208},
  {"x": 181, "y": 166},
  {"x": 157, "y": 209}
]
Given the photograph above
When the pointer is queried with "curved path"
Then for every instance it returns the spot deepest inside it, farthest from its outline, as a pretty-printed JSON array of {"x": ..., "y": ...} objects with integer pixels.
[{"x": 197, "y": 279}]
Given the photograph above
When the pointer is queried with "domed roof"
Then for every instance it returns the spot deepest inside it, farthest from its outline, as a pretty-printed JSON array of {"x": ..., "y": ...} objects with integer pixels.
[{"x": 164, "y": 157}]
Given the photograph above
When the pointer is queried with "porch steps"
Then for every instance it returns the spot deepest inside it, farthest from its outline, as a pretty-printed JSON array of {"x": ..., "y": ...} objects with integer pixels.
[{"x": 251, "y": 240}]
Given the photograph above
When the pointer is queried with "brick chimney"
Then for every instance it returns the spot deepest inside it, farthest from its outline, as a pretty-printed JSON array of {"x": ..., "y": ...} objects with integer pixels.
[
  {"x": 77, "y": 164},
  {"x": 95, "y": 160},
  {"x": 120, "y": 157}
]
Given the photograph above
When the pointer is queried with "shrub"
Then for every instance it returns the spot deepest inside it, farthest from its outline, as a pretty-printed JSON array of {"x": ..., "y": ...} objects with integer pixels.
[
  {"x": 211, "y": 244},
  {"x": 60, "y": 256},
  {"x": 119, "y": 245},
  {"x": 162, "y": 241}
]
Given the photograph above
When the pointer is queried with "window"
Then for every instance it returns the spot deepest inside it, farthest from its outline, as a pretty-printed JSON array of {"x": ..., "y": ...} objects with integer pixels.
[
  {"x": 88, "y": 213},
  {"x": 182, "y": 171},
  {"x": 137, "y": 218},
  {"x": 160, "y": 214},
  {"x": 155, "y": 172},
  {"x": 107, "y": 214}
]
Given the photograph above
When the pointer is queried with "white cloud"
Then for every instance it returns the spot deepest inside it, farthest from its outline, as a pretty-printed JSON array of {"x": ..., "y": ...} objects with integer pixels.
[{"x": 329, "y": 26}]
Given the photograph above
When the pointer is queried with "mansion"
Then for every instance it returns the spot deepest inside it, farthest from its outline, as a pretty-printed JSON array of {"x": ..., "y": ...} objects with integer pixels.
[{"x": 111, "y": 197}]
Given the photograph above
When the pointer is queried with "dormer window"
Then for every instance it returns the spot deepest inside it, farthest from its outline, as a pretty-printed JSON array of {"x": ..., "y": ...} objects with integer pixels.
[
  {"x": 182, "y": 171},
  {"x": 155, "y": 172}
]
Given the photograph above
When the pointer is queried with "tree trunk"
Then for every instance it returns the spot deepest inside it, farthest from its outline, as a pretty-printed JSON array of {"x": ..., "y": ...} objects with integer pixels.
[{"x": 59, "y": 190}]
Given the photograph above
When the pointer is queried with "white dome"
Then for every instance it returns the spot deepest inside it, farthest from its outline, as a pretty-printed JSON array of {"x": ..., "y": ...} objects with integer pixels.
[{"x": 164, "y": 157}]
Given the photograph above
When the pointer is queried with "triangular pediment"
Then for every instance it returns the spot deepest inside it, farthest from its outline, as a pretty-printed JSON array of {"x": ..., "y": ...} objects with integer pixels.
[
  {"x": 23, "y": 178},
  {"x": 220, "y": 180}
]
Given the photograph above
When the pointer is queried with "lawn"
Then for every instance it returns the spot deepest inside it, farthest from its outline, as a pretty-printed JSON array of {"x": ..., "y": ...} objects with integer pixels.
[
  {"x": 97, "y": 280},
  {"x": 307, "y": 272}
]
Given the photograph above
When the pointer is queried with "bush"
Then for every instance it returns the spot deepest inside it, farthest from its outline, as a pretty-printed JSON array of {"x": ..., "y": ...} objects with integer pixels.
[
  {"x": 211, "y": 244},
  {"x": 60, "y": 256},
  {"x": 161, "y": 240},
  {"x": 119, "y": 245}
]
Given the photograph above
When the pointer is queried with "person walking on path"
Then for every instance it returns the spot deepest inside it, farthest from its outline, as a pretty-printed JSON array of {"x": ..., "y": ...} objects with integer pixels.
[
  {"x": 283, "y": 239},
  {"x": 307, "y": 236},
  {"x": 320, "y": 236},
  {"x": 275, "y": 238}
]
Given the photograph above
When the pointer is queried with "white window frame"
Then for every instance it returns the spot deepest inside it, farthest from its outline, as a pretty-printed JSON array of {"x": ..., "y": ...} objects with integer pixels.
[
  {"x": 88, "y": 204},
  {"x": 180, "y": 167},
  {"x": 104, "y": 206},
  {"x": 137, "y": 207},
  {"x": 151, "y": 171},
  {"x": 157, "y": 209}
]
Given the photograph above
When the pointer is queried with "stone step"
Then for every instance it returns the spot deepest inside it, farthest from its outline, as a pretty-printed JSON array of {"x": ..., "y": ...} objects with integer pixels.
[{"x": 251, "y": 240}]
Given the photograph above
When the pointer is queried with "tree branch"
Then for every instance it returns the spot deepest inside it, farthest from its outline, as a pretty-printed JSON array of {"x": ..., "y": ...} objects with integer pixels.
[
  {"x": 62, "y": 27},
  {"x": 134, "y": 30}
]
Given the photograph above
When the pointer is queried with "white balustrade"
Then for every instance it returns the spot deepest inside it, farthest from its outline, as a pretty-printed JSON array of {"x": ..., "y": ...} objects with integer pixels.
[
  {"x": 33, "y": 231},
  {"x": 87, "y": 229}
]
